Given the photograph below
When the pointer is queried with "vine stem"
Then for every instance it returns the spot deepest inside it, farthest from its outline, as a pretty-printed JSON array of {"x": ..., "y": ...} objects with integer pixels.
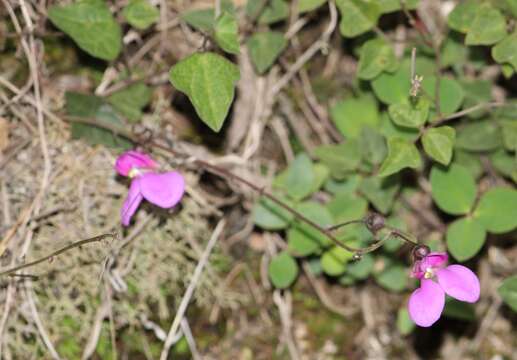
[
  {"x": 58, "y": 252},
  {"x": 152, "y": 143}
]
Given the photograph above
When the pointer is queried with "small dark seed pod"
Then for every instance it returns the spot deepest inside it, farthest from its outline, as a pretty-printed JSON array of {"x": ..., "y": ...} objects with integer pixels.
[
  {"x": 374, "y": 222},
  {"x": 420, "y": 252}
]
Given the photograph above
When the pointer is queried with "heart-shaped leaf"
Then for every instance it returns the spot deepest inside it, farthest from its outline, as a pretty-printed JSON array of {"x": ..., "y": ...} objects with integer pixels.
[
  {"x": 411, "y": 114},
  {"x": 357, "y": 16},
  {"x": 90, "y": 24},
  {"x": 376, "y": 56},
  {"x": 226, "y": 33},
  {"x": 209, "y": 82},
  {"x": 401, "y": 154},
  {"x": 265, "y": 47},
  {"x": 438, "y": 143}
]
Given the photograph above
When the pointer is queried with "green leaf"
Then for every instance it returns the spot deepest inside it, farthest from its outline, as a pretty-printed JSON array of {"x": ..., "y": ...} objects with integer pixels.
[
  {"x": 361, "y": 269},
  {"x": 90, "y": 24},
  {"x": 454, "y": 52},
  {"x": 504, "y": 163},
  {"x": 351, "y": 115},
  {"x": 303, "y": 239},
  {"x": 130, "y": 101},
  {"x": 380, "y": 192},
  {"x": 273, "y": 11},
  {"x": 509, "y": 130},
  {"x": 508, "y": 292},
  {"x": 463, "y": 15},
  {"x": 393, "y": 88},
  {"x": 438, "y": 143},
  {"x": 357, "y": 16},
  {"x": 309, "y": 5},
  {"x": 334, "y": 261},
  {"x": 209, "y": 82},
  {"x": 140, "y": 14},
  {"x": 404, "y": 323},
  {"x": 451, "y": 93},
  {"x": 469, "y": 161},
  {"x": 409, "y": 113},
  {"x": 202, "y": 20},
  {"x": 401, "y": 154},
  {"x": 226, "y": 33},
  {"x": 346, "y": 207},
  {"x": 92, "y": 107},
  {"x": 393, "y": 278},
  {"x": 300, "y": 177},
  {"x": 453, "y": 189},
  {"x": 348, "y": 186},
  {"x": 391, "y": 130},
  {"x": 507, "y": 70},
  {"x": 388, "y": 6},
  {"x": 321, "y": 175},
  {"x": 283, "y": 270},
  {"x": 476, "y": 92},
  {"x": 376, "y": 56},
  {"x": 465, "y": 237},
  {"x": 506, "y": 51},
  {"x": 271, "y": 216},
  {"x": 487, "y": 28},
  {"x": 459, "y": 310},
  {"x": 341, "y": 159},
  {"x": 497, "y": 210},
  {"x": 372, "y": 146},
  {"x": 265, "y": 47},
  {"x": 479, "y": 136}
]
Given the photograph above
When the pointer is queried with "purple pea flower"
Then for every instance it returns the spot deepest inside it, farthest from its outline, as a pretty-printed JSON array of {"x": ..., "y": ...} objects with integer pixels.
[
  {"x": 427, "y": 302},
  {"x": 162, "y": 189}
]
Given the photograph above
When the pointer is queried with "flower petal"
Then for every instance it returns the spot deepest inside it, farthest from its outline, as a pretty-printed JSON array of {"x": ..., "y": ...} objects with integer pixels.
[
  {"x": 164, "y": 190},
  {"x": 133, "y": 200},
  {"x": 133, "y": 159},
  {"x": 434, "y": 260},
  {"x": 426, "y": 303},
  {"x": 459, "y": 282},
  {"x": 416, "y": 271}
]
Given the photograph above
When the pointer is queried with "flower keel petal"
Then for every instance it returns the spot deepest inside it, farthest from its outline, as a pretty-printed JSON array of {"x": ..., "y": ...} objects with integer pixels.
[
  {"x": 426, "y": 303},
  {"x": 164, "y": 190},
  {"x": 133, "y": 200},
  {"x": 133, "y": 159},
  {"x": 459, "y": 282}
]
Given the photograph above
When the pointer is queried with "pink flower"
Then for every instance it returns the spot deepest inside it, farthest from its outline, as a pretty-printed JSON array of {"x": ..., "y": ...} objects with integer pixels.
[
  {"x": 426, "y": 303},
  {"x": 162, "y": 189}
]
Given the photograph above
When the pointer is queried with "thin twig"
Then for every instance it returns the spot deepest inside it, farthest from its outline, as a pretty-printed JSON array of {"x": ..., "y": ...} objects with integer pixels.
[
  {"x": 58, "y": 252},
  {"x": 318, "y": 45},
  {"x": 190, "y": 289},
  {"x": 185, "y": 328},
  {"x": 39, "y": 323}
]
